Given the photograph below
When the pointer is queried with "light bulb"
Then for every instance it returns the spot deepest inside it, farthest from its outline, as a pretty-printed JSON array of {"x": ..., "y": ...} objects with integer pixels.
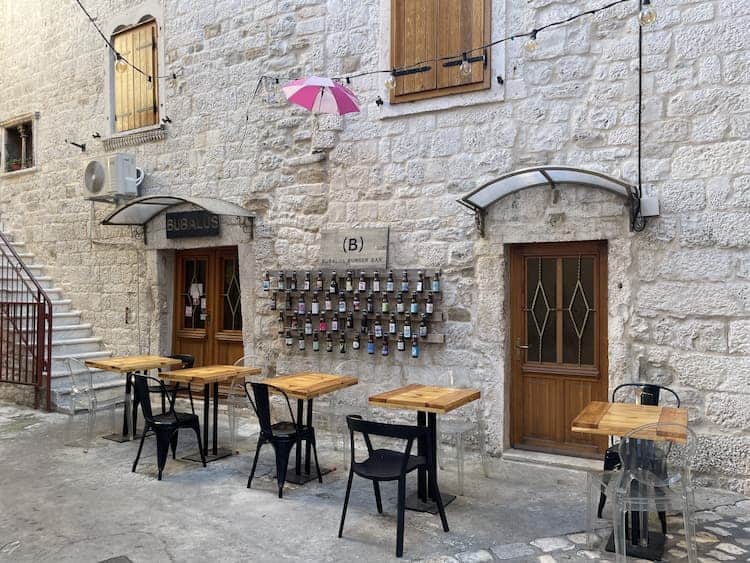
[
  {"x": 149, "y": 83},
  {"x": 647, "y": 15},
  {"x": 390, "y": 82},
  {"x": 120, "y": 65},
  {"x": 531, "y": 45},
  {"x": 465, "y": 67}
]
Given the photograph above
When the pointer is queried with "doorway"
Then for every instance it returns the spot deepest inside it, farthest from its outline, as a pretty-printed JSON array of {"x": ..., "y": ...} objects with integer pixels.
[
  {"x": 208, "y": 310},
  {"x": 558, "y": 302}
]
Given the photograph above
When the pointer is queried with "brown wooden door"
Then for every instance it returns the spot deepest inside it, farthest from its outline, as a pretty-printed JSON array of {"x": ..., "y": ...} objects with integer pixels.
[
  {"x": 558, "y": 298},
  {"x": 208, "y": 312}
]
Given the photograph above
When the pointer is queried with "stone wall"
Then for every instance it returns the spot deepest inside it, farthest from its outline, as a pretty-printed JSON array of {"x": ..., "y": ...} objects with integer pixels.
[{"x": 682, "y": 313}]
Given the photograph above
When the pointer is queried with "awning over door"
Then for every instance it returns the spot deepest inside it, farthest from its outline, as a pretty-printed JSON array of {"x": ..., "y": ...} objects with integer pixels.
[
  {"x": 542, "y": 176},
  {"x": 141, "y": 210}
]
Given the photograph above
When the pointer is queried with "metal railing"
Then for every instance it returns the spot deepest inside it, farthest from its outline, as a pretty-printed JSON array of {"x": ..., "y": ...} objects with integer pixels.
[{"x": 25, "y": 326}]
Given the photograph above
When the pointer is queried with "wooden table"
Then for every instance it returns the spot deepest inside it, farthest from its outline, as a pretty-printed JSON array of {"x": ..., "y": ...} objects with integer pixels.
[
  {"x": 210, "y": 376},
  {"x": 620, "y": 419},
  {"x": 428, "y": 401},
  {"x": 306, "y": 386},
  {"x": 130, "y": 365}
]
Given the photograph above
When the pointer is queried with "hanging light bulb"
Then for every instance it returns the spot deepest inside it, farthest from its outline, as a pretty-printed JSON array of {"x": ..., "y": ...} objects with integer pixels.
[
  {"x": 531, "y": 45},
  {"x": 647, "y": 15},
  {"x": 120, "y": 64},
  {"x": 465, "y": 67},
  {"x": 149, "y": 82},
  {"x": 390, "y": 82}
]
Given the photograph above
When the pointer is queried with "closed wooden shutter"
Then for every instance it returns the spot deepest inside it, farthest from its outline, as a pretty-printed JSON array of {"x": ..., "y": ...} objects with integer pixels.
[
  {"x": 422, "y": 30},
  {"x": 137, "y": 101}
]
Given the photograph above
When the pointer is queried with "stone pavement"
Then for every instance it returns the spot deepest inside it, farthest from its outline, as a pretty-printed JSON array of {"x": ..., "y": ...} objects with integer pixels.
[{"x": 58, "y": 503}]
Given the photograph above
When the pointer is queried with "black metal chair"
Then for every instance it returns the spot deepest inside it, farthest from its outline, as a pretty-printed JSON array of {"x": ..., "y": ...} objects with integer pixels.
[
  {"x": 282, "y": 436},
  {"x": 165, "y": 426},
  {"x": 649, "y": 395},
  {"x": 188, "y": 361},
  {"x": 390, "y": 465}
]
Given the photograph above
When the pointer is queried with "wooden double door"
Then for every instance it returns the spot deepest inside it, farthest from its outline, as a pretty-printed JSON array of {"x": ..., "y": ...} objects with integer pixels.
[
  {"x": 208, "y": 305},
  {"x": 558, "y": 300}
]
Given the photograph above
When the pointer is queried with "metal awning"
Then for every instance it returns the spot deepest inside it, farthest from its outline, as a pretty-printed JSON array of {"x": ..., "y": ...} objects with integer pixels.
[
  {"x": 542, "y": 176},
  {"x": 141, "y": 210}
]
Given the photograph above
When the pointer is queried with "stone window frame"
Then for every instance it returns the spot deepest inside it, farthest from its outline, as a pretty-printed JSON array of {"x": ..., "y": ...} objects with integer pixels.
[
  {"x": 128, "y": 18},
  {"x": 33, "y": 118},
  {"x": 496, "y": 92}
]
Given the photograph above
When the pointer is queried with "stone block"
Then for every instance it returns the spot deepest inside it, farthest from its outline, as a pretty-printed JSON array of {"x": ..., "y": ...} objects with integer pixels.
[
  {"x": 739, "y": 337},
  {"x": 728, "y": 410}
]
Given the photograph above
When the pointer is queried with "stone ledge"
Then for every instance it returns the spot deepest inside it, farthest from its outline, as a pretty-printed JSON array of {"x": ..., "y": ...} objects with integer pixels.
[{"x": 136, "y": 138}]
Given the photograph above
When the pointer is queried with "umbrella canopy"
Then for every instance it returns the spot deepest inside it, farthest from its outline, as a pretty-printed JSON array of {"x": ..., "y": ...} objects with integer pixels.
[{"x": 321, "y": 95}]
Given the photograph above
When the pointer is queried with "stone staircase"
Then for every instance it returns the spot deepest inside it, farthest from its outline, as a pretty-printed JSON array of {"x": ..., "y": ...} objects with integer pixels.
[{"x": 71, "y": 338}]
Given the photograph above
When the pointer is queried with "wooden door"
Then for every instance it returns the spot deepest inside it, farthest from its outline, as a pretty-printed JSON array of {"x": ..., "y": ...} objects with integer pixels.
[
  {"x": 558, "y": 299},
  {"x": 208, "y": 311}
]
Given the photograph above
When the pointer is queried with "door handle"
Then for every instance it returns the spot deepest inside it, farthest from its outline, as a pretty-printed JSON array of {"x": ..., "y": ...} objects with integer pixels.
[{"x": 520, "y": 347}]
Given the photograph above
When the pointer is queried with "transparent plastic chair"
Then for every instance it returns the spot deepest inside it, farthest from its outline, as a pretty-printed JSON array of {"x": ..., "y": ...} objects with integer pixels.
[
  {"x": 83, "y": 399},
  {"x": 655, "y": 477},
  {"x": 237, "y": 400}
]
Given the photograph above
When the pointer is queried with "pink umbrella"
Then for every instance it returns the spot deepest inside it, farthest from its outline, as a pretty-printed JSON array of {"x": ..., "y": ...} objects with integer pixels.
[{"x": 321, "y": 95}]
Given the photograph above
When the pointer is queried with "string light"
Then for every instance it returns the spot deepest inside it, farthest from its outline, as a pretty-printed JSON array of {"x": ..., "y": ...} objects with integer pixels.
[
  {"x": 647, "y": 15},
  {"x": 465, "y": 67},
  {"x": 531, "y": 45},
  {"x": 390, "y": 82}
]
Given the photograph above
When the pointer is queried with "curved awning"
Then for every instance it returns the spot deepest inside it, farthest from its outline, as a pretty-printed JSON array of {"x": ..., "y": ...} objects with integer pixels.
[
  {"x": 141, "y": 210},
  {"x": 542, "y": 176}
]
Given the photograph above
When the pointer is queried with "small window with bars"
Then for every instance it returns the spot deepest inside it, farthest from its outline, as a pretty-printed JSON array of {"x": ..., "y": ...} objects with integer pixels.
[
  {"x": 136, "y": 98},
  {"x": 17, "y": 138},
  {"x": 424, "y": 30}
]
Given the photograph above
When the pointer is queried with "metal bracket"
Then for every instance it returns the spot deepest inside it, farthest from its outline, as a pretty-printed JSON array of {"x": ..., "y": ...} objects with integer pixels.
[
  {"x": 479, "y": 220},
  {"x": 479, "y": 58}
]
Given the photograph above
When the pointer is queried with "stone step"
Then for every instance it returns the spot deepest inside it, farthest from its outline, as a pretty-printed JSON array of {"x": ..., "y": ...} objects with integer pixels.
[
  {"x": 61, "y": 306},
  {"x": 73, "y": 346},
  {"x": 17, "y": 245},
  {"x": 61, "y": 332},
  {"x": 66, "y": 318},
  {"x": 10, "y": 282},
  {"x": 54, "y": 293}
]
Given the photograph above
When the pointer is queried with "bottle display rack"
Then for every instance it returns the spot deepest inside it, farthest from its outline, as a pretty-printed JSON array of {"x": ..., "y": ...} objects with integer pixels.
[{"x": 378, "y": 312}]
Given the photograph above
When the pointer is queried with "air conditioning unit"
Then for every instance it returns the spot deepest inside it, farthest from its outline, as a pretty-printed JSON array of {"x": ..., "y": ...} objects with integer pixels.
[{"x": 113, "y": 178}]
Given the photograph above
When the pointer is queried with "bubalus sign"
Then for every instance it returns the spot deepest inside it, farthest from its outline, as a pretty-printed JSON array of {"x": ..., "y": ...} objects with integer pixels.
[
  {"x": 192, "y": 224},
  {"x": 354, "y": 248}
]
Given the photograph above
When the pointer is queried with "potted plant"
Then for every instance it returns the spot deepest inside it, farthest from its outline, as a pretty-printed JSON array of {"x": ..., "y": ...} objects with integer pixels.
[{"x": 13, "y": 164}]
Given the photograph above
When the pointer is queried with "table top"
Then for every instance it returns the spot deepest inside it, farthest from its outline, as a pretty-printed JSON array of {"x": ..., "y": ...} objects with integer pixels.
[
  {"x": 210, "y": 374},
  {"x": 425, "y": 398},
  {"x": 127, "y": 364},
  {"x": 618, "y": 419},
  {"x": 308, "y": 385}
]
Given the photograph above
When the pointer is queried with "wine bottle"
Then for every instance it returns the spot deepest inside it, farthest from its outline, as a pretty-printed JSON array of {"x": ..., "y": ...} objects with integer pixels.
[
  {"x": 405, "y": 282},
  {"x": 356, "y": 303},
  {"x": 301, "y": 305},
  {"x": 370, "y": 345},
  {"x": 349, "y": 282},
  {"x": 436, "y": 282},
  {"x": 342, "y": 303},
  {"x": 376, "y": 283},
  {"x": 308, "y": 325},
  {"x": 356, "y": 343},
  {"x": 323, "y": 324},
  {"x": 288, "y": 338},
  {"x": 342, "y": 343},
  {"x": 274, "y": 300},
  {"x": 392, "y": 325},
  {"x": 399, "y": 303},
  {"x": 429, "y": 307},
  {"x": 407, "y": 326},
  {"x": 288, "y": 302},
  {"x": 301, "y": 341},
  {"x": 414, "y": 347},
  {"x": 333, "y": 287},
  {"x": 365, "y": 324},
  {"x": 281, "y": 282},
  {"x": 350, "y": 320},
  {"x": 329, "y": 343},
  {"x": 423, "y": 327},
  {"x": 369, "y": 307},
  {"x": 293, "y": 323},
  {"x": 319, "y": 282},
  {"x": 400, "y": 344},
  {"x": 362, "y": 285},
  {"x": 328, "y": 305},
  {"x": 306, "y": 283},
  {"x": 389, "y": 283},
  {"x": 281, "y": 323},
  {"x": 316, "y": 343},
  {"x": 315, "y": 305},
  {"x": 293, "y": 282},
  {"x": 413, "y": 306},
  {"x": 378, "y": 328},
  {"x": 385, "y": 305},
  {"x": 266, "y": 282},
  {"x": 335, "y": 323},
  {"x": 385, "y": 350},
  {"x": 420, "y": 281}
]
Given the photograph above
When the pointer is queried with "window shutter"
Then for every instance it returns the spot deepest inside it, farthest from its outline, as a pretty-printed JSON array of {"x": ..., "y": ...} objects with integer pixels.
[
  {"x": 136, "y": 105},
  {"x": 461, "y": 27},
  {"x": 413, "y": 40}
]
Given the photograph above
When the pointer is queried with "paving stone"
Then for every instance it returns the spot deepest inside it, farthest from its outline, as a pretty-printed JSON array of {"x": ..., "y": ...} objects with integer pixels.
[
  {"x": 512, "y": 550},
  {"x": 743, "y": 541},
  {"x": 546, "y": 559},
  {"x": 589, "y": 554},
  {"x": 552, "y": 544},
  {"x": 731, "y": 549},
  {"x": 705, "y": 537},
  {"x": 474, "y": 556},
  {"x": 677, "y": 554},
  {"x": 721, "y": 556},
  {"x": 719, "y": 531},
  {"x": 727, "y": 524},
  {"x": 578, "y": 538}
]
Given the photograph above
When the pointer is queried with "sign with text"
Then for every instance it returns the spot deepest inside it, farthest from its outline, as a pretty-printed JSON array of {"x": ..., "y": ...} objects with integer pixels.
[
  {"x": 192, "y": 224},
  {"x": 354, "y": 248}
]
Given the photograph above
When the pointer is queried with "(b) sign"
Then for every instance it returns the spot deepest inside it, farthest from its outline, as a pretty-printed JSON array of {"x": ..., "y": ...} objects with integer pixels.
[{"x": 354, "y": 248}]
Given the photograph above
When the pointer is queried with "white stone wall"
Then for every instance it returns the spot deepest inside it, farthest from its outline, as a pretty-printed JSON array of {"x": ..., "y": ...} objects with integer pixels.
[{"x": 682, "y": 314}]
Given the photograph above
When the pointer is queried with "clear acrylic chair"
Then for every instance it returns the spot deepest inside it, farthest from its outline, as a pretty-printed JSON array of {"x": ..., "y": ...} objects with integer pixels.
[
  {"x": 655, "y": 477},
  {"x": 458, "y": 427},
  {"x": 83, "y": 399},
  {"x": 237, "y": 400}
]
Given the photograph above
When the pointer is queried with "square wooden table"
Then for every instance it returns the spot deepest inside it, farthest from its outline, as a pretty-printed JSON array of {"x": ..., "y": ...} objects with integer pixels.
[
  {"x": 428, "y": 401},
  {"x": 306, "y": 386},
  {"x": 130, "y": 365},
  {"x": 619, "y": 419},
  {"x": 210, "y": 377}
]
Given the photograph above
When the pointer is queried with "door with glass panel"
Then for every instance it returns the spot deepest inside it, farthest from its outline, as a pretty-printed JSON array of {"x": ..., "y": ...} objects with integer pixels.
[
  {"x": 208, "y": 309},
  {"x": 558, "y": 301}
]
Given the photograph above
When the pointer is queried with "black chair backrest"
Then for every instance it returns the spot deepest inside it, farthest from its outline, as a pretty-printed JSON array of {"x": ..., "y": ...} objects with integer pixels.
[
  {"x": 261, "y": 403},
  {"x": 188, "y": 360},
  {"x": 370, "y": 428},
  {"x": 143, "y": 396},
  {"x": 649, "y": 392}
]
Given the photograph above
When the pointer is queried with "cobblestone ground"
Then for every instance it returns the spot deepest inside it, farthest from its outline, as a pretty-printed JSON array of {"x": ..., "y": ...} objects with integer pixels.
[{"x": 722, "y": 534}]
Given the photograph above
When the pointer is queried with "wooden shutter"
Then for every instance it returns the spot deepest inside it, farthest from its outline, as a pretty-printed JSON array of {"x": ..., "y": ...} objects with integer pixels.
[
  {"x": 460, "y": 28},
  {"x": 136, "y": 105},
  {"x": 413, "y": 40}
]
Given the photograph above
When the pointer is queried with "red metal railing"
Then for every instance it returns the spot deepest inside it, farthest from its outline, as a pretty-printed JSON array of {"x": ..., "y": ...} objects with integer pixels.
[{"x": 25, "y": 326}]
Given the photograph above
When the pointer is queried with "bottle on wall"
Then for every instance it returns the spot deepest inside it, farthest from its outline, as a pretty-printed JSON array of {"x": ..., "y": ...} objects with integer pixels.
[
  {"x": 405, "y": 282},
  {"x": 323, "y": 324},
  {"x": 329, "y": 343},
  {"x": 327, "y": 304},
  {"x": 356, "y": 303},
  {"x": 349, "y": 282},
  {"x": 274, "y": 300},
  {"x": 281, "y": 282},
  {"x": 407, "y": 326},
  {"x": 370, "y": 344},
  {"x": 350, "y": 320},
  {"x": 385, "y": 305},
  {"x": 316, "y": 343},
  {"x": 288, "y": 302},
  {"x": 308, "y": 325},
  {"x": 369, "y": 307},
  {"x": 306, "y": 283},
  {"x": 392, "y": 325},
  {"x": 436, "y": 282},
  {"x": 413, "y": 305},
  {"x": 333, "y": 287},
  {"x": 301, "y": 305},
  {"x": 414, "y": 347},
  {"x": 281, "y": 323},
  {"x": 362, "y": 284},
  {"x": 293, "y": 322},
  {"x": 420, "y": 281},
  {"x": 266, "y": 282},
  {"x": 356, "y": 342},
  {"x": 400, "y": 344},
  {"x": 423, "y": 327},
  {"x": 399, "y": 303},
  {"x": 342, "y": 343},
  {"x": 319, "y": 282},
  {"x": 378, "y": 327},
  {"x": 293, "y": 282},
  {"x": 385, "y": 350},
  {"x": 429, "y": 306},
  {"x": 390, "y": 285},
  {"x": 365, "y": 324},
  {"x": 315, "y": 304},
  {"x": 288, "y": 338},
  {"x": 335, "y": 323},
  {"x": 301, "y": 341},
  {"x": 342, "y": 303}
]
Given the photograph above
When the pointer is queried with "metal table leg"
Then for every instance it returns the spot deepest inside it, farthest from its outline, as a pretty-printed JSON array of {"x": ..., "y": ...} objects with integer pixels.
[
  {"x": 298, "y": 476},
  {"x": 126, "y": 434},
  {"x": 423, "y": 500},
  {"x": 308, "y": 445},
  {"x": 215, "y": 452}
]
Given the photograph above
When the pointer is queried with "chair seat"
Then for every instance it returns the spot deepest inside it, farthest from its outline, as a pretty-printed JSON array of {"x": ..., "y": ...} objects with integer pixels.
[
  {"x": 183, "y": 418},
  {"x": 385, "y": 465}
]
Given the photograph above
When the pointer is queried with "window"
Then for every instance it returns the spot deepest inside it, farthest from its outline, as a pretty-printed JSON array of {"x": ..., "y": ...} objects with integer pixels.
[
  {"x": 18, "y": 144},
  {"x": 136, "y": 99},
  {"x": 427, "y": 29}
]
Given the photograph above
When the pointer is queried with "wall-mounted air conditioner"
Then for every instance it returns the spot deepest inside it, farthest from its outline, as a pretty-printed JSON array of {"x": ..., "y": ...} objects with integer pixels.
[{"x": 114, "y": 177}]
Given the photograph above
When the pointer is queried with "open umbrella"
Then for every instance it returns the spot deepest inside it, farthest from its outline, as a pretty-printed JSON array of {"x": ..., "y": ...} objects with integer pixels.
[{"x": 321, "y": 95}]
